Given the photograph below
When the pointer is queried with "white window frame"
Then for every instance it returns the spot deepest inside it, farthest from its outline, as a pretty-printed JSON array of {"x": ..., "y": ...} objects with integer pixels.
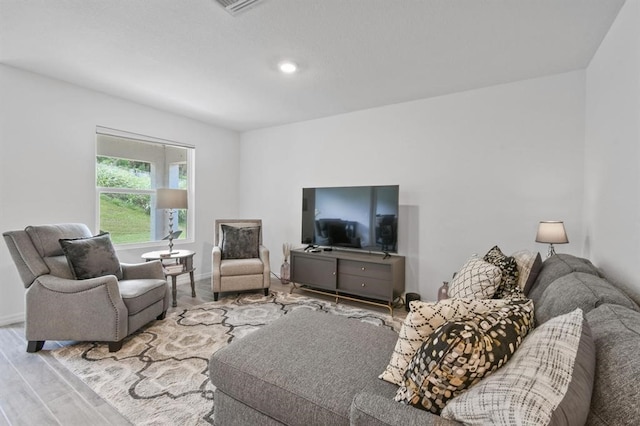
[{"x": 106, "y": 131}]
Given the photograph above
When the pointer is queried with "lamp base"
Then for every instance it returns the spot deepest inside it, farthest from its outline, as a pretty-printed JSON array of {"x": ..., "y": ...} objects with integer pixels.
[{"x": 551, "y": 251}]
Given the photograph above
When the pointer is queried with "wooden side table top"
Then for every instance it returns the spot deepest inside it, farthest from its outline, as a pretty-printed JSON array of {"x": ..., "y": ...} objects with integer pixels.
[{"x": 164, "y": 254}]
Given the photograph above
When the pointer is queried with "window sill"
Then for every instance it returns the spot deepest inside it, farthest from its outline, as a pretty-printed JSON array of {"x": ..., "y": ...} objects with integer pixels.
[{"x": 153, "y": 244}]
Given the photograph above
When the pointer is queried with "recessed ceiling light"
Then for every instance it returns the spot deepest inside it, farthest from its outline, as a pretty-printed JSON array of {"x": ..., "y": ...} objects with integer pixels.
[{"x": 288, "y": 67}]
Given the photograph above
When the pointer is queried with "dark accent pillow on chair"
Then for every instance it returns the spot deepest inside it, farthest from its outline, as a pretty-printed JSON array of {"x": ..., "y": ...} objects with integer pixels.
[
  {"x": 91, "y": 257},
  {"x": 240, "y": 242}
]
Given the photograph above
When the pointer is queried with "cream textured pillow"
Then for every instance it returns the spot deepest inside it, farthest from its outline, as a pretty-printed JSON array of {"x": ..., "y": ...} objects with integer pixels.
[
  {"x": 548, "y": 380},
  {"x": 420, "y": 323},
  {"x": 476, "y": 280}
]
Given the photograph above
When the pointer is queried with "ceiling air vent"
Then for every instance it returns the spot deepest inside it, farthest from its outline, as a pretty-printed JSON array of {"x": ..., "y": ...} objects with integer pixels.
[{"x": 236, "y": 6}]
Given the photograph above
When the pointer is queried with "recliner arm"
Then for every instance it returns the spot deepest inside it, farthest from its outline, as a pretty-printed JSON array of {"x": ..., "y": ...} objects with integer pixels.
[
  {"x": 64, "y": 309},
  {"x": 216, "y": 275},
  {"x": 141, "y": 271},
  {"x": 216, "y": 256},
  {"x": 65, "y": 285},
  {"x": 264, "y": 257}
]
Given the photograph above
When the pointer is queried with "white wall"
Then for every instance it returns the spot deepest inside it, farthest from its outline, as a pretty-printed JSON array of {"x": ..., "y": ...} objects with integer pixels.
[
  {"x": 475, "y": 169},
  {"x": 612, "y": 160},
  {"x": 47, "y": 172}
]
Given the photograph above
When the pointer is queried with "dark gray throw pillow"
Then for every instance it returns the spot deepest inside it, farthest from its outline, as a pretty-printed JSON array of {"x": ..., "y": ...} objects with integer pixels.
[
  {"x": 91, "y": 257},
  {"x": 240, "y": 242}
]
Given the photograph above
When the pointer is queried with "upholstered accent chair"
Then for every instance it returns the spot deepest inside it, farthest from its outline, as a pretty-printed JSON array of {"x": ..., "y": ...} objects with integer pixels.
[
  {"x": 240, "y": 261},
  {"x": 60, "y": 307}
]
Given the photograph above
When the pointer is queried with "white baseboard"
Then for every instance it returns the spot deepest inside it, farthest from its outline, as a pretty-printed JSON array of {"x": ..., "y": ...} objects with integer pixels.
[{"x": 11, "y": 319}]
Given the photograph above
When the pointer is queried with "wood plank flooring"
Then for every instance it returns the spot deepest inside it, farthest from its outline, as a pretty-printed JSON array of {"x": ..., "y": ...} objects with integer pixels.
[{"x": 37, "y": 389}]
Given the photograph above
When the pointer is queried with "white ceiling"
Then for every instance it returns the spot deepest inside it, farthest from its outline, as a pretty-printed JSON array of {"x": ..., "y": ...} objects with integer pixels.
[{"x": 193, "y": 58}]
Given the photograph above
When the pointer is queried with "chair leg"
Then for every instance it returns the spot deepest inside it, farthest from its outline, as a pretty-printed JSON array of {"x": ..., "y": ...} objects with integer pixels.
[
  {"x": 115, "y": 346},
  {"x": 266, "y": 291},
  {"x": 162, "y": 315},
  {"x": 215, "y": 296},
  {"x": 34, "y": 345}
]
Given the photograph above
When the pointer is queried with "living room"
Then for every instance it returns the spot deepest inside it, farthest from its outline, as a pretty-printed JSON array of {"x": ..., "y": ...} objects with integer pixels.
[{"x": 475, "y": 168}]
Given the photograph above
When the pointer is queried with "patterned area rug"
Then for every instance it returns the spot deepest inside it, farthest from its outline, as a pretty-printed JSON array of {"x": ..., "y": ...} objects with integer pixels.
[{"x": 161, "y": 374}]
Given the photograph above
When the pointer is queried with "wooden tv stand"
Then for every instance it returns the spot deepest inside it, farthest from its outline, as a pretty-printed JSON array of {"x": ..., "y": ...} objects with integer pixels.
[{"x": 362, "y": 277}]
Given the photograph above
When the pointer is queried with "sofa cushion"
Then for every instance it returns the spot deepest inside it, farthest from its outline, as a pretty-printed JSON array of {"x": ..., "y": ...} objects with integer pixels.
[
  {"x": 509, "y": 268},
  {"x": 616, "y": 394},
  {"x": 578, "y": 290},
  {"x": 558, "y": 266},
  {"x": 91, "y": 257},
  {"x": 371, "y": 409},
  {"x": 240, "y": 242},
  {"x": 421, "y": 321},
  {"x": 547, "y": 381},
  {"x": 138, "y": 295},
  {"x": 231, "y": 267},
  {"x": 312, "y": 379},
  {"x": 477, "y": 279},
  {"x": 460, "y": 353}
]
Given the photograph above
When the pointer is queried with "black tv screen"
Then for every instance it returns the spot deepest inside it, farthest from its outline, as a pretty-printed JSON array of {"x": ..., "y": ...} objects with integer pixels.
[{"x": 351, "y": 217}]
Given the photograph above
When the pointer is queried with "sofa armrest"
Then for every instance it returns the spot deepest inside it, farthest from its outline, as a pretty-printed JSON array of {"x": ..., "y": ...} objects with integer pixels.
[
  {"x": 64, "y": 309},
  {"x": 375, "y": 410},
  {"x": 216, "y": 259},
  {"x": 216, "y": 256},
  {"x": 141, "y": 271},
  {"x": 263, "y": 252}
]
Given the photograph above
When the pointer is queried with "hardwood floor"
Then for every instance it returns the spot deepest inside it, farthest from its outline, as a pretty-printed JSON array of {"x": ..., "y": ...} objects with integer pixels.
[{"x": 37, "y": 389}]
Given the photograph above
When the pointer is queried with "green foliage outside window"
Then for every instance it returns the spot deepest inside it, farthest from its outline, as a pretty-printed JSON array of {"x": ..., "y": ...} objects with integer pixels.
[{"x": 127, "y": 217}]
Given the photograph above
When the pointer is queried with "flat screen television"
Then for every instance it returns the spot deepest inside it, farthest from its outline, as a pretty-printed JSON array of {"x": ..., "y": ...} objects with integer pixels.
[{"x": 351, "y": 217}]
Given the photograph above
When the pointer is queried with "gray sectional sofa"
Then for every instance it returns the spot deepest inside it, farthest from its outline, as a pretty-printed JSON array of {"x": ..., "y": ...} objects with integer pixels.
[{"x": 310, "y": 368}]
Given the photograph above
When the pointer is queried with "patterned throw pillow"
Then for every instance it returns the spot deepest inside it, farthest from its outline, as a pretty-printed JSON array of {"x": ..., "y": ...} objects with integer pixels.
[
  {"x": 529, "y": 265},
  {"x": 509, "y": 268},
  {"x": 421, "y": 321},
  {"x": 240, "y": 242},
  {"x": 476, "y": 280},
  {"x": 460, "y": 353},
  {"x": 91, "y": 257},
  {"x": 551, "y": 375}
]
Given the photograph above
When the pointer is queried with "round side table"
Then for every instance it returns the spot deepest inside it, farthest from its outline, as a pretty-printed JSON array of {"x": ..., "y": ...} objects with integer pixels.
[{"x": 176, "y": 263}]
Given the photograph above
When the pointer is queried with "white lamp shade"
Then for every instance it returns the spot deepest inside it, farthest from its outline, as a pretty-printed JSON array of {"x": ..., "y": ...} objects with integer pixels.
[
  {"x": 167, "y": 198},
  {"x": 551, "y": 232}
]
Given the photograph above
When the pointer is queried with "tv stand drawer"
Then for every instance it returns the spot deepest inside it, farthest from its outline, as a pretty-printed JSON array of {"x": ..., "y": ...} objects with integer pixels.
[
  {"x": 365, "y": 286},
  {"x": 365, "y": 269}
]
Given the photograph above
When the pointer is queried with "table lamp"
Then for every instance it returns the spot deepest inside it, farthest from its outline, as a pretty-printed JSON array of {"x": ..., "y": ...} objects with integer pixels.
[
  {"x": 551, "y": 232},
  {"x": 171, "y": 199}
]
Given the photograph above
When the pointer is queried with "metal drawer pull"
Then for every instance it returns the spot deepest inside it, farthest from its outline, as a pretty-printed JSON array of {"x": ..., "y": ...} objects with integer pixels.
[
  {"x": 363, "y": 268},
  {"x": 362, "y": 284}
]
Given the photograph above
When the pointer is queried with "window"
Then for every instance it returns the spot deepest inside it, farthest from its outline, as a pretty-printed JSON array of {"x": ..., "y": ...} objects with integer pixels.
[{"x": 129, "y": 169}]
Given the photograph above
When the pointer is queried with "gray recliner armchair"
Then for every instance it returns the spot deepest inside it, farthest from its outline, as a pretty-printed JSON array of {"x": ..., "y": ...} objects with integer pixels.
[
  {"x": 60, "y": 307},
  {"x": 240, "y": 261}
]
